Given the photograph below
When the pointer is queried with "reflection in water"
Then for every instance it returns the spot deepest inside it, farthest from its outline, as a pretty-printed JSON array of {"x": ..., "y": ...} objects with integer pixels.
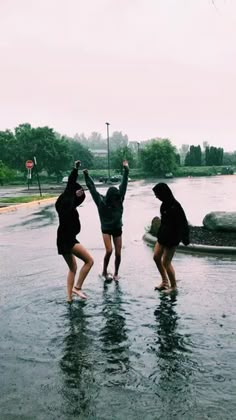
[
  {"x": 76, "y": 365},
  {"x": 167, "y": 322},
  {"x": 44, "y": 217},
  {"x": 175, "y": 364},
  {"x": 113, "y": 334}
]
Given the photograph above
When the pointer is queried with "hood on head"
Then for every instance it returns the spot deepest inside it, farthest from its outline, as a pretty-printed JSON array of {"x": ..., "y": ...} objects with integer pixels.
[
  {"x": 79, "y": 194},
  {"x": 76, "y": 188},
  {"x": 163, "y": 192},
  {"x": 112, "y": 195}
]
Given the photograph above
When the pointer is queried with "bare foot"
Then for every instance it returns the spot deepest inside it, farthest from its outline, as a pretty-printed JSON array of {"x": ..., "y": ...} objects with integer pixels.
[
  {"x": 69, "y": 300},
  {"x": 107, "y": 277},
  {"x": 170, "y": 290},
  {"x": 116, "y": 277},
  {"x": 79, "y": 293},
  {"x": 162, "y": 286}
]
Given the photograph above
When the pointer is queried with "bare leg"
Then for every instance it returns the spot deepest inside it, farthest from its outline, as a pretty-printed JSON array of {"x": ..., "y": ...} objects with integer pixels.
[
  {"x": 118, "y": 245},
  {"x": 71, "y": 262},
  {"x": 80, "y": 252},
  {"x": 166, "y": 261},
  {"x": 108, "y": 247},
  {"x": 157, "y": 256}
]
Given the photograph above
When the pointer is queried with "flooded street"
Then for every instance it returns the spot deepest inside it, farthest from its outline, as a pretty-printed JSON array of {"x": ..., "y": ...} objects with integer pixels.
[{"x": 128, "y": 352}]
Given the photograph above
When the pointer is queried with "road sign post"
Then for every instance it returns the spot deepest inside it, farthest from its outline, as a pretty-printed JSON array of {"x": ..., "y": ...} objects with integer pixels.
[
  {"x": 35, "y": 161},
  {"x": 29, "y": 164}
]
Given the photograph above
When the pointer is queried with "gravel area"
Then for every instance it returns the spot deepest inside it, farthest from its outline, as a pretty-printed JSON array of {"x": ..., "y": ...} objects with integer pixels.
[{"x": 202, "y": 236}]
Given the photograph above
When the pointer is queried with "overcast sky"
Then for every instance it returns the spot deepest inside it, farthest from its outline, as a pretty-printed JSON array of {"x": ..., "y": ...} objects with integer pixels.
[{"x": 152, "y": 68}]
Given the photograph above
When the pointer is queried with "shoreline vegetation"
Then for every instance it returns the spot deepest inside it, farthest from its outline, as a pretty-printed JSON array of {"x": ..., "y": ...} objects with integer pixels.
[{"x": 135, "y": 174}]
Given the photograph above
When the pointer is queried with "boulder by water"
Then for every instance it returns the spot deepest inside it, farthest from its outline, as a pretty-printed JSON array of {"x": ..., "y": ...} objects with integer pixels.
[
  {"x": 200, "y": 235},
  {"x": 221, "y": 221},
  {"x": 156, "y": 221}
]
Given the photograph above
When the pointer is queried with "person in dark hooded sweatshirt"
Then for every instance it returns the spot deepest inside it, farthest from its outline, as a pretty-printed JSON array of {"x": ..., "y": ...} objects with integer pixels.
[
  {"x": 173, "y": 230},
  {"x": 110, "y": 210},
  {"x": 69, "y": 226}
]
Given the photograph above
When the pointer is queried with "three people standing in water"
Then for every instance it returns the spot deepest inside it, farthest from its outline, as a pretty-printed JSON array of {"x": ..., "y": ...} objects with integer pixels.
[{"x": 173, "y": 229}]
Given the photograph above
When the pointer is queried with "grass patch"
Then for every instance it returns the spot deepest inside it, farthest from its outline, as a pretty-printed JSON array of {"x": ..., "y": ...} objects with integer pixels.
[{"x": 25, "y": 199}]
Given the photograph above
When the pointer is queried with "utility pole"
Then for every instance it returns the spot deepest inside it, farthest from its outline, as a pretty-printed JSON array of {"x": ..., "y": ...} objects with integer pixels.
[
  {"x": 36, "y": 168},
  {"x": 138, "y": 145}
]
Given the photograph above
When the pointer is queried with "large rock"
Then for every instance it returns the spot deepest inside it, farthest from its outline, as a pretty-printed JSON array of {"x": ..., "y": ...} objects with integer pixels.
[
  {"x": 156, "y": 221},
  {"x": 220, "y": 220}
]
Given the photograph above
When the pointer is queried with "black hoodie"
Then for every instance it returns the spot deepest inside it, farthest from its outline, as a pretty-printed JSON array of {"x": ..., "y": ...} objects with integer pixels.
[
  {"x": 174, "y": 225},
  {"x": 110, "y": 206},
  {"x": 69, "y": 223}
]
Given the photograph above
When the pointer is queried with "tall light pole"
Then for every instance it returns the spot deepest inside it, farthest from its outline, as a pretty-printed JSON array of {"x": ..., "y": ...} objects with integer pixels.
[
  {"x": 138, "y": 144},
  {"x": 108, "y": 151}
]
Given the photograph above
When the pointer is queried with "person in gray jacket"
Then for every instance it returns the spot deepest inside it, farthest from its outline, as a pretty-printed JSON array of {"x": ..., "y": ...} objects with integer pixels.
[{"x": 110, "y": 210}]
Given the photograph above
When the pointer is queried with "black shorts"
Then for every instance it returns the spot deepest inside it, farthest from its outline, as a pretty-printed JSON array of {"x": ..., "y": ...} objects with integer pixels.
[
  {"x": 64, "y": 246},
  {"x": 168, "y": 244},
  {"x": 113, "y": 232}
]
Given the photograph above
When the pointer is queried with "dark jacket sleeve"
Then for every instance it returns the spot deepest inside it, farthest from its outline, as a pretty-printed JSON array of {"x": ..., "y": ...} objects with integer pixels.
[
  {"x": 68, "y": 197},
  {"x": 72, "y": 180},
  {"x": 91, "y": 186},
  {"x": 124, "y": 183},
  {"x": 184, "y": 227}
]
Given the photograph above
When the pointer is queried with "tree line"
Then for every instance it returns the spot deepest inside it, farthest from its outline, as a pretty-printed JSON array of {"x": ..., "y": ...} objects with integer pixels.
[
  {"x": 210, "y": 157},
  {"x": 56, "y": 153}
]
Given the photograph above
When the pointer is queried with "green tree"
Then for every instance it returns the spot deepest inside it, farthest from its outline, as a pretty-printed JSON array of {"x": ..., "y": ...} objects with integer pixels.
[
  {"x": 8, "y": 148},
  {"x": 158, "y": 157},
  {"x": 59, "y": 158},
  {"x": 214, "y": 155},
  {"x": 123, "y": 153},
  {"x": 51, "y": 151},
  {"x": 6, "y": 174},
  {"x": 194, "y": 156},
  {"x": 79, "y": 151},
  {"x": 229, "y": 158}
]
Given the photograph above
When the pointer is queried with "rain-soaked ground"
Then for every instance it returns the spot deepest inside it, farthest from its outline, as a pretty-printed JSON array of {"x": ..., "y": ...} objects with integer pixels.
[{"x": 128, "y": 352}]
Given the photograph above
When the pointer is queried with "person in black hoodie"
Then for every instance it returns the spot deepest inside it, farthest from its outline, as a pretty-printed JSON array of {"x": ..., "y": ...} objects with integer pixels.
[
  {"x": 173, "y": 230},
  {"x": 69, "y": 226},
  {"x": 110, "y": 209}
]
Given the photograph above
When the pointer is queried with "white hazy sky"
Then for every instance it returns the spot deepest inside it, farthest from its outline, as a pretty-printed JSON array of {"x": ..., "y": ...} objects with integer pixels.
[{"x": 152, "y": 68}]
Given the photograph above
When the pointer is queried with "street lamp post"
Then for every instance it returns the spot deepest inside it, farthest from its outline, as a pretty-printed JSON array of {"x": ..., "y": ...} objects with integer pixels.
[
  {"x": 138, "y": 144},
  {"x": 108, "y": 151}
]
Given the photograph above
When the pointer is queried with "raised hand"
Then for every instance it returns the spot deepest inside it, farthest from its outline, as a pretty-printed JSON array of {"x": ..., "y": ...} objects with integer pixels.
[{"x": 77, "y": 164}]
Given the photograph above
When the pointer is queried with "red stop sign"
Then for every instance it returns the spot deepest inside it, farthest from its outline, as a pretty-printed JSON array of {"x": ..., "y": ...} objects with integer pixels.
[{"x": 29, "y": 164}]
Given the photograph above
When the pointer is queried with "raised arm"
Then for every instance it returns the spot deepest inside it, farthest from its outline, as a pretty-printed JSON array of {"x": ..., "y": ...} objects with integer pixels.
[
  {"x": 91, "y": 186},
  {"x": 124, "y": 182},
  {"x": 73, "y": 177}
]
